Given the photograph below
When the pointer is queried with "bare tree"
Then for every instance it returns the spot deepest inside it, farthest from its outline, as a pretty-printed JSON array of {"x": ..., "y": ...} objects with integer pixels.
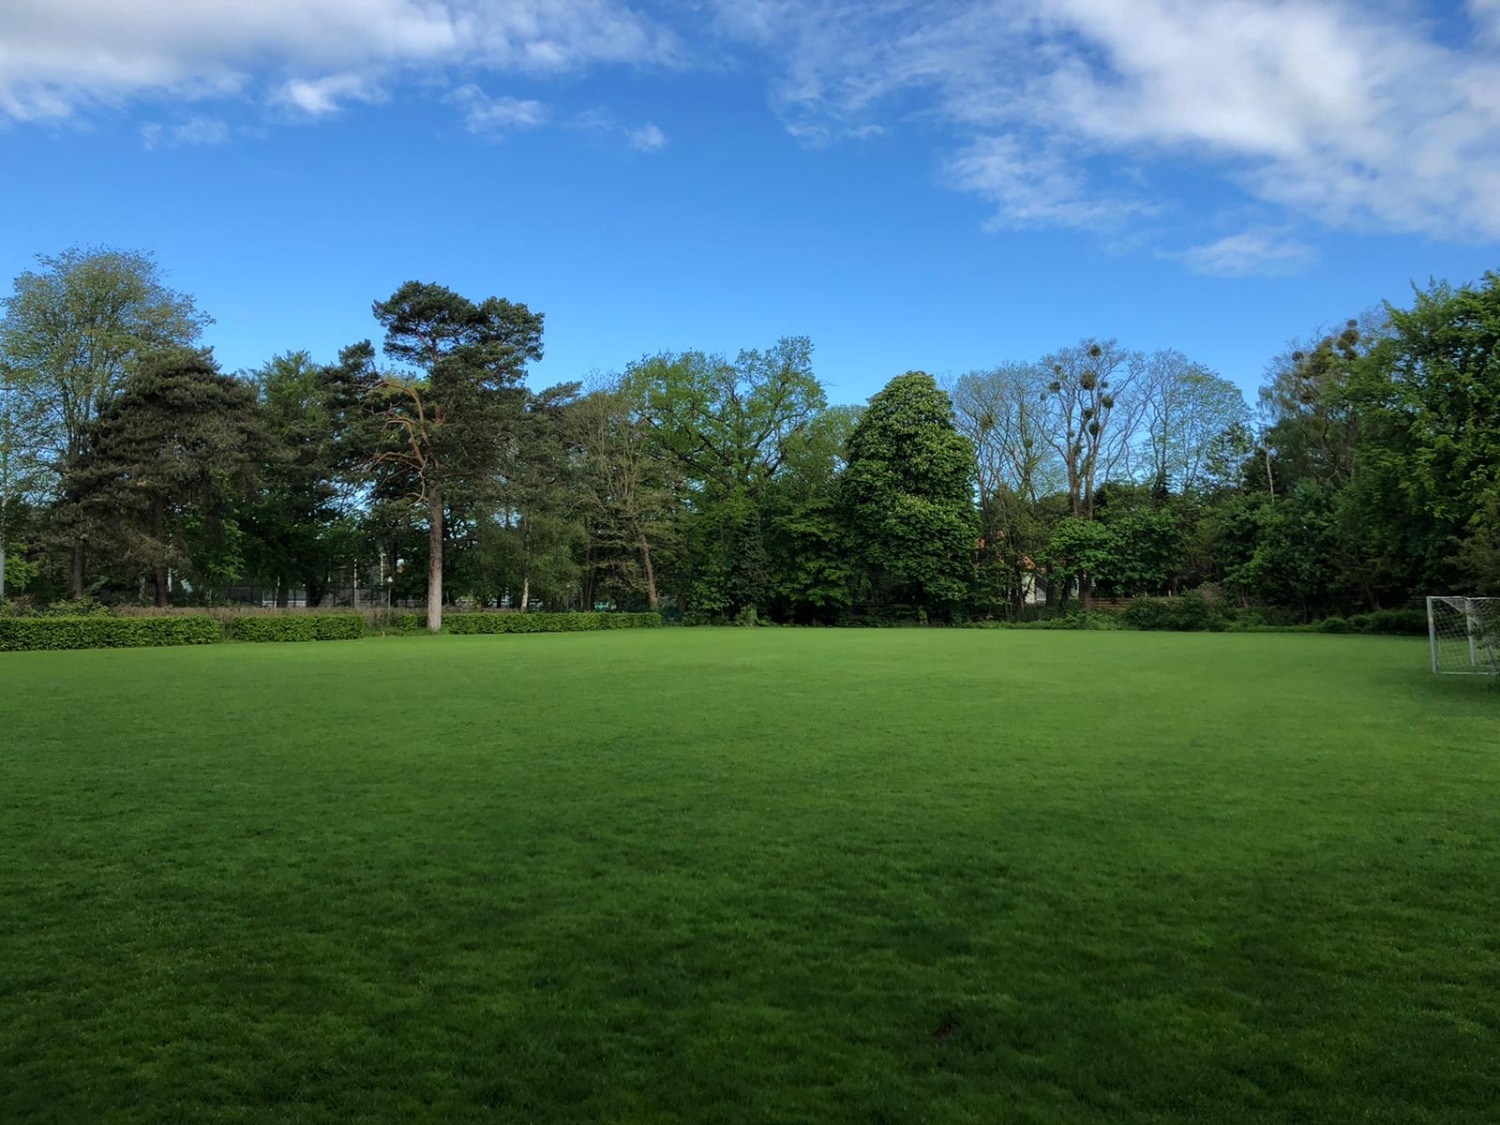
[
  {"x": 1094, "y": 403},
  {"x": 1188, "y": 413}
]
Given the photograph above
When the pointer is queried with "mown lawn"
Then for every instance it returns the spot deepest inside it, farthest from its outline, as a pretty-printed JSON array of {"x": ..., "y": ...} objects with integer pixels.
[{"x": 750, "y": 876}]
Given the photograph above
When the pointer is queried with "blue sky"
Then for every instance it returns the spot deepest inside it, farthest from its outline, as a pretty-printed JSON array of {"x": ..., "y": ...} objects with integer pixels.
[{"x": 941, "y": 185}]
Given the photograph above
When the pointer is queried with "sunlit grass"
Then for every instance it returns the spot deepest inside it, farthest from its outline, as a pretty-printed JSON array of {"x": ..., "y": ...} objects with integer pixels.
[{"x": 750, "y": 876}]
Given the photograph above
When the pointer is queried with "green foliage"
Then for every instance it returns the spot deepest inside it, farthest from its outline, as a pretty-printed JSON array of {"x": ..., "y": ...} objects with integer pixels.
[
  {"x": 470, "y": 624},
  {"x": 1387, "y": 622},
  {"x": 1084, "y": 620},
  {"x": 1081, "y": 546},
  {"x": 728, "y": 425},
  {"x": 294, "y": 535},
  {"x": 1191, "y": 613},
  {"x": 907, "y": 496},
  {"x": 77, "y": 607},
  {"x": 436, "y": 433},
  {"x": 298, "y": 627},
  {"x": 165, "y": 462},
  {"x": 18, "y": 634}
]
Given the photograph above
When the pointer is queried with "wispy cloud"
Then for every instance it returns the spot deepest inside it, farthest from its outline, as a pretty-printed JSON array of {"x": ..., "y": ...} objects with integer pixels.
[
  {"x": 1039, "y": 187},
  {"x": 193, "y": 131},
  {"x": 320, "y": 97},
  {"x": 646, "y": 137},
  {"x": 57, "y": 59},
  {"x": 492, "y": 116},
  {"x": 1251, "y": 253},
  {"x": 1353, "y": 115}
]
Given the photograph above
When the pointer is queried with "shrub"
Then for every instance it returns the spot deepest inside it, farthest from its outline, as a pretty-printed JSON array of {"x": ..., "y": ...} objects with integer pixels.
[
  {"x": 18, "y": 634},
  {"x": 469, "y": 624},
  {"x": 76, "y": 607},
  {"x": 1079, "y": 619},
  {"x": 298, "y": 627},
  {"x": 1394, "y": 622},
  {"x": 1191, "y": 613}
]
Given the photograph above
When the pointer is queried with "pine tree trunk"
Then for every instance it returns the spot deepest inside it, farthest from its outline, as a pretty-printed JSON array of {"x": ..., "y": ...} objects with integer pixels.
[
  {"x": 75, "y": 570},
  {"x": 161, "y": 588},
  {"x": 435, "y": 563}
]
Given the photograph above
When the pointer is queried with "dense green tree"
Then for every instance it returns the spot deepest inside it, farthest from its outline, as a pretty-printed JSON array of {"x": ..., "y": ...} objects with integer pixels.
[
  {"x": 21, "y": 481},
  {"x": 539, "y": 502},
  {"x": 728, "y": 428},
  {"x": 628, "y": 505},
  {"x": 156, "y": 485},
  {"x": 1434, "y": 384},
  {"x": 811, "y": 572},
  {"x": 74, "y": 330},
  {"x": 907, "y": 495},
  {"x": 295, "y": 532}
]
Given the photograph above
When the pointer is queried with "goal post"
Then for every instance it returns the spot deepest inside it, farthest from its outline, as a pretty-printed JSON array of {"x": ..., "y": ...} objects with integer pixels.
[{"x": 1464, "y": 635}]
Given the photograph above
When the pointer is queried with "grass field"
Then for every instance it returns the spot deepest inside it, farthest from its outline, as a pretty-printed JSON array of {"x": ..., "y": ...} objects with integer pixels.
[{"x": 750, "y": 876}]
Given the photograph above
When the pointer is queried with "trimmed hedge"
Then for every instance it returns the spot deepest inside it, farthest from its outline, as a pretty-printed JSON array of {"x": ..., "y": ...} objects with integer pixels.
[
  {"x": 24, "y": 634},
  {"x": 469, "y": 624},
  {"x": 298, "y": 627}
]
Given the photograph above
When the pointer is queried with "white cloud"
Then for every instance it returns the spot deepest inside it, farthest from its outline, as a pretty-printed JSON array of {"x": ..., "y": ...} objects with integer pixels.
[
  {"x": 1355, "y": 115},
  {"x": 193, "y": 131},
  {"x": 318, "y": 97},
  {"x": 1486, "y": 17},
  {"x": 1035, "y": 187},
  {"x": 486, "y": 115},
  {"x": 646, "y": 138},
  {"x": 1251, "y": 253},
  {"x": 60, "y": 56}
]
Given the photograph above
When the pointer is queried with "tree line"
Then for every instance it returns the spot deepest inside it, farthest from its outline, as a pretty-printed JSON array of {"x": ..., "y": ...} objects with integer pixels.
[{"x": 133, "y": 468}]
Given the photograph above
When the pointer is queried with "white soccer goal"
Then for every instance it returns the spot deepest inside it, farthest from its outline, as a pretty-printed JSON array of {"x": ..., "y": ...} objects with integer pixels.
[{"x": 1465, "y": 635}]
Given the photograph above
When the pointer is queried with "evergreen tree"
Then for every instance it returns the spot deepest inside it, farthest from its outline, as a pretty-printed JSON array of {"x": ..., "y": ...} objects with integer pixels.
[{"x": 907, "y": 495}]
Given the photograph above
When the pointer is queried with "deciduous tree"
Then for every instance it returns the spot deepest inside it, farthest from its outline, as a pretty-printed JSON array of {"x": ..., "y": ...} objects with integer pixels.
[{"x": 74, "y": 330}]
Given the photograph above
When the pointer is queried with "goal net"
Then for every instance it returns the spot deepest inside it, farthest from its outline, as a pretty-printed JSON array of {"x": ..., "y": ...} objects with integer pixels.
[{"x": 1465, "y": 635}]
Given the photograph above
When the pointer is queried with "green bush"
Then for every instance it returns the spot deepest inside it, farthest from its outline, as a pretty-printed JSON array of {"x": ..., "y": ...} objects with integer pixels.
[
  {"x": 76, "y": 607},
  {"x": 1079, "y": 619},
  {"x": 468, "y": 624},
  {"x": 1191, "y": 613},
  {"x": 1393, "y": 622},
  {"x": 20, "y": 634},
  {"x": 298, "y": 627}
]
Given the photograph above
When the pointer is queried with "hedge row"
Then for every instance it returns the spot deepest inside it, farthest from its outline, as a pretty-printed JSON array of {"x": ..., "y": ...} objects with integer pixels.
[
  {"x": 19, "y": 634},
  {"x": 298, "y": 627},
  {"x": 472, "y": 623},
  {"x": 22, "y": 634}
]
